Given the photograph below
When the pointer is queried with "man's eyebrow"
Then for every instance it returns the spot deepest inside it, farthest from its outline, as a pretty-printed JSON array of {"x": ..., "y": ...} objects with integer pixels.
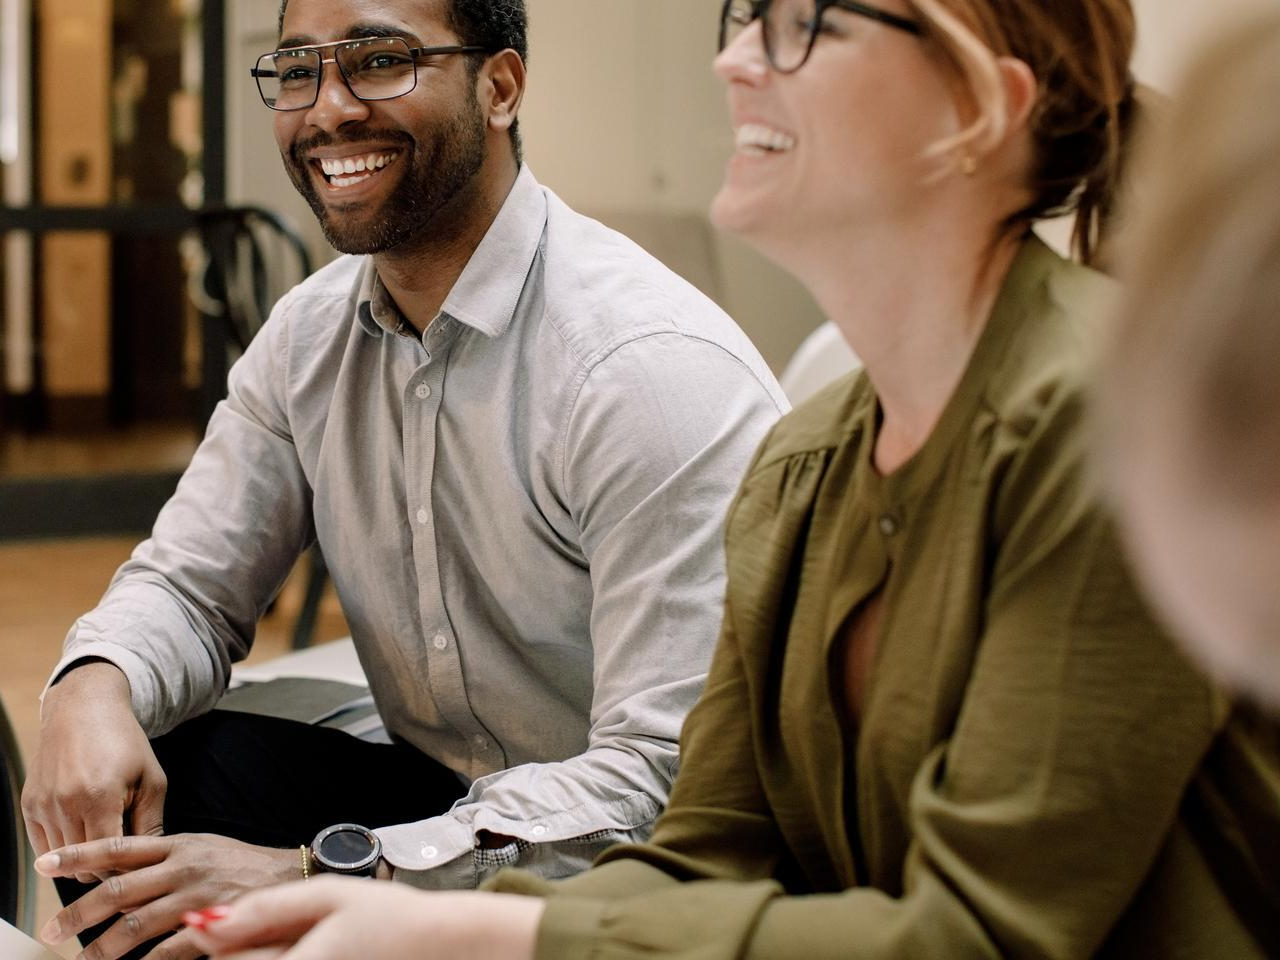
[{"x": 356, "y": 31}]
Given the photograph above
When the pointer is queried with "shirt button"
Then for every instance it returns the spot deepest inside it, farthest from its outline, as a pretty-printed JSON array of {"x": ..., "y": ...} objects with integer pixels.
[
  {"x": 888, "y": 525},
  {"x": 429, "y": 852},
  {"x": 539, "y": 830},
  {"x": 441, "y": 641},
  {"x": 422, "y": 516},
  {"x": 423, "y": 391}
]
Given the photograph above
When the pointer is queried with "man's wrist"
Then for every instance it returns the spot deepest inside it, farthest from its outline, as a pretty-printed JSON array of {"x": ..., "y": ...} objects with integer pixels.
[{"x": 92, "y": 676}]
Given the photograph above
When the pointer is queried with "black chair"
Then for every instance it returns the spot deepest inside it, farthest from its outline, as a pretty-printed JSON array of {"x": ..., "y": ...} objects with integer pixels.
[
  {"x": 17, "y": 874},
  {"x": 254, "y": 256}
]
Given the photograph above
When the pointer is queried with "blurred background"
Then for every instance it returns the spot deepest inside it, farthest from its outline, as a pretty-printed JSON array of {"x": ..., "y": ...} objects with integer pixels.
[{"x": 125, "y": 125}]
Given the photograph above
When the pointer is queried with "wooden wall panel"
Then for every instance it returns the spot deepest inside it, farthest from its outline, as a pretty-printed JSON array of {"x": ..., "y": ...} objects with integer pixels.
[{"x": 74, "y": 87}]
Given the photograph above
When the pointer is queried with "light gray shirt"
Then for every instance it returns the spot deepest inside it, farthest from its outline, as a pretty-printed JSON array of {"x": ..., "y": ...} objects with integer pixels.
[{"x": 521, "y": 511}]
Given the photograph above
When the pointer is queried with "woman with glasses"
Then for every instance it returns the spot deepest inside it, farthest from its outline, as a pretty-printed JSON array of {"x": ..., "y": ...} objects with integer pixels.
[{"x": 940, "y": 722}]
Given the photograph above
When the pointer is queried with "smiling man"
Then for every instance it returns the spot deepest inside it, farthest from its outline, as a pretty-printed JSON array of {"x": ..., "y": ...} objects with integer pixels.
[{"x": 514, "y": 435}]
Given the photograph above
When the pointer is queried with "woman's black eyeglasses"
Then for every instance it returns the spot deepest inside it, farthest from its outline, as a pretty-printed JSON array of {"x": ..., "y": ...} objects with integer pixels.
[
  {"x": 373, "y": 68},
  {"x": 791, "y": 27}
]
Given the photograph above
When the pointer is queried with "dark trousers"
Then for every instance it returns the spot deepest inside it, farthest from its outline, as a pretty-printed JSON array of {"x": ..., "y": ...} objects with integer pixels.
[{"x": 277, "y": 783}]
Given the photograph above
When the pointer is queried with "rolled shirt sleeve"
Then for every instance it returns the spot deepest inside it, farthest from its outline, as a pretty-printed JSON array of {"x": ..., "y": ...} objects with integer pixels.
[{"x": 185, "y": 606}]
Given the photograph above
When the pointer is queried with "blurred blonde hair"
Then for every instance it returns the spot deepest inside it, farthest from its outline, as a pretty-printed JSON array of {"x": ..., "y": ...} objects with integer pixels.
[
  {"x": 1195, "y": 361},
  {"x": 1079, "y": 52}
]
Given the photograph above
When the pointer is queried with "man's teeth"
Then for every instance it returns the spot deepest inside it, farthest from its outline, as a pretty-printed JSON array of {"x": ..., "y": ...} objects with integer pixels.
[
  {"x": 339, "y": 170},
  {"x": 754, "y": 137}
]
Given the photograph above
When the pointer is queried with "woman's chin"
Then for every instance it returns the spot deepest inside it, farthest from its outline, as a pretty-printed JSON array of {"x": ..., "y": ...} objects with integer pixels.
[{"x": 732, "y": 213}]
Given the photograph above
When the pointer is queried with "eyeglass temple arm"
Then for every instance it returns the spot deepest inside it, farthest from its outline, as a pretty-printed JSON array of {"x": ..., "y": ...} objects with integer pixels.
[{"x": 875, "y": 13}]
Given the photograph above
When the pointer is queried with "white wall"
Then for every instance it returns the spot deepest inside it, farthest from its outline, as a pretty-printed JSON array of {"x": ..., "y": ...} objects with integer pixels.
[{"x": 1169, "y": 32}]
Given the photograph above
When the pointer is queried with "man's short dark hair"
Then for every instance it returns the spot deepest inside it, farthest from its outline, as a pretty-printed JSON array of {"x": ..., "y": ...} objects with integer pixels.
[{"x": 492, "y": 24}]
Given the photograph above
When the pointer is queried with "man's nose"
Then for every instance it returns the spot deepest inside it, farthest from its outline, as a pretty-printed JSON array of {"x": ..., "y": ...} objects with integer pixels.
[{"x": 335, "y": 103}]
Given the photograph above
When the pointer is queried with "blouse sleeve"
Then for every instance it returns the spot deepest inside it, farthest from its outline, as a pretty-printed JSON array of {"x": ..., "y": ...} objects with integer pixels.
[{"x": 1033, "y": 826}]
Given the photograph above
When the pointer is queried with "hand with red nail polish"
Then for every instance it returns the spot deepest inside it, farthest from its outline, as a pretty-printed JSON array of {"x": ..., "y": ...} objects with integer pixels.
[
  {"x": 200, "y": 919},
  {"x": 334, "y": 918}
]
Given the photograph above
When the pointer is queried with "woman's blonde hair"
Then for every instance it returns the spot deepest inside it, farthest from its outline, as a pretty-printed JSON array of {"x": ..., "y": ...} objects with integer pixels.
[
  {"x": 1194, "y": 366},
  {"x": 1079, "y": 51}
]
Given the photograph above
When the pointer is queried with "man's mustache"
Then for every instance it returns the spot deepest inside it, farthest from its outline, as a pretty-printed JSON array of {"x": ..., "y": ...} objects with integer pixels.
[{"x": 360, "y": 134}]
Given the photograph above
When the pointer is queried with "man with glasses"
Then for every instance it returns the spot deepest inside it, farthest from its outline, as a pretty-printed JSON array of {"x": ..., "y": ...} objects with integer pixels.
[{"x": 513, "y": 434}]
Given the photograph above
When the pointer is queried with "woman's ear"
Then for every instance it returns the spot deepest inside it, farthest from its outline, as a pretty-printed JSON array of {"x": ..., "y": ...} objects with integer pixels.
[
  {"x": 501, "y": 89},
  {"x": 1021, "y": 90}
]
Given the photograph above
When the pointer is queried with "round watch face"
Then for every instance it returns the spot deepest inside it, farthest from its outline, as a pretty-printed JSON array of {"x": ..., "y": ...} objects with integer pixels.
[{"x": 346, "y": 847}]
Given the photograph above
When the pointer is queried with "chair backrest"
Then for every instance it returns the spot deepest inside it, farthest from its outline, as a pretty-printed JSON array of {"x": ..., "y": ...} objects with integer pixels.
[
  {"x": 253, "y": 257},
  {"x": 823, "y": 357},
  {"x": 17, "y": 873}
]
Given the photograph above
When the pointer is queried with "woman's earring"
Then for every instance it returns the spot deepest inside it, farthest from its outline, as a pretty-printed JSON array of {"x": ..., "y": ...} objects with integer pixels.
[{"x": 968, "y": 164}]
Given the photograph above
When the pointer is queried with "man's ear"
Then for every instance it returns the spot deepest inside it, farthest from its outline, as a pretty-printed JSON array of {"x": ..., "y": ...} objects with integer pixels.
[{"x": 501, "y": 89}]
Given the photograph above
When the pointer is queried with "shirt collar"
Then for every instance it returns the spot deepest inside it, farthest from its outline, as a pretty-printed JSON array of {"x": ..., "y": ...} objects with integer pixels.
[{"x": 486, "y": 294}]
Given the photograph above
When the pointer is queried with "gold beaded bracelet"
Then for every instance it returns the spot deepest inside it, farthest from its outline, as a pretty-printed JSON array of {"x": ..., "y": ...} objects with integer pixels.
[{"x": 306, "y": 862}]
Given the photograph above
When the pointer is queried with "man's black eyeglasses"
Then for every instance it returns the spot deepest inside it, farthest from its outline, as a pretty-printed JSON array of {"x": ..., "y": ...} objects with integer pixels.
[
  {"x": 373, "y": 68},
  {"x": 791, "y": 27}
]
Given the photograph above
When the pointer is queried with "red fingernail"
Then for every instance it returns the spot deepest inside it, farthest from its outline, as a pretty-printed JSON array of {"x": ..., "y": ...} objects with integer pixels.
[{"x": 202, "y": 918}]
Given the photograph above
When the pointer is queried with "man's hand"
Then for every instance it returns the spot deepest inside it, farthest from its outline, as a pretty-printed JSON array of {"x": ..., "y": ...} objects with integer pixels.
[
  {"x": 335, "y": 918},
  {"x": 94, "y": 774},
  {"x": 153, "y": 881}
]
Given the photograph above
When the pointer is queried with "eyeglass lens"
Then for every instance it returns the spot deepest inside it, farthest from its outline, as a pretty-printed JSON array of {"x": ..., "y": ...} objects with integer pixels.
[
  {"x": 375, "y": 69},
  {"x": 789, "y": 27}
]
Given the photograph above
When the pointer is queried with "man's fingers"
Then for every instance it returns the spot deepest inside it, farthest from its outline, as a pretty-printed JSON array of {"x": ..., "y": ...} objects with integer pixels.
[
  {"x": 39, "y": 839},
  {"x": 146, "y": 819},
  {"x": 278, "y": 915},
  {"x": 102, "y": 828},
  {"x": 118, "y": 894},
  {"x": 104, "y": 857},
  {"x": 72, "y": 834},
  {"x": 138, "y": 927}
]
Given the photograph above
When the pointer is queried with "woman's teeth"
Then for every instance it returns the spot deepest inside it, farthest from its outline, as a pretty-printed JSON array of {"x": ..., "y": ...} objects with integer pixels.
[
  {"x": 347, "y": 171},
  {"x": 755, "y": 138}
]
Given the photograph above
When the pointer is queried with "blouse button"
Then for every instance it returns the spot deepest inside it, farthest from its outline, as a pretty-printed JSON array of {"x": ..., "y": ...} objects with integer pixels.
[
  {"x": 423, "y": 391},
  {"x": 888, "y": 525}
]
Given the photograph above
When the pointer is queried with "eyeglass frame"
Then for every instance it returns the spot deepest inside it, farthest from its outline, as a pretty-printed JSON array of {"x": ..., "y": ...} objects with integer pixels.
[
  {"x": 415, "y": 53},
  {"x": 759, "y": 8}
]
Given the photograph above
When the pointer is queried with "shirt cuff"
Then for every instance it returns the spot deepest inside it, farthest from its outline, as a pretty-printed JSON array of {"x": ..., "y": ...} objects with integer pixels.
[
  {"x": 433, "y": 854},
  {"x": 123, "y": 659}
]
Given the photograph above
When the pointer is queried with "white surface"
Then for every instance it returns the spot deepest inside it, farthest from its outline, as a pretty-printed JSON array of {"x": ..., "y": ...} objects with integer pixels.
[
  {"x": 16, "y": 945},
  {"x": 329, "y": 661},
  {"x": 824, "y": 356}
]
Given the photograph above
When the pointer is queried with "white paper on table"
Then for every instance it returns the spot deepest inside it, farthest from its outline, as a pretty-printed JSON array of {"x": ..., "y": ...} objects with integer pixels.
[{"x": 16, "y": 945}]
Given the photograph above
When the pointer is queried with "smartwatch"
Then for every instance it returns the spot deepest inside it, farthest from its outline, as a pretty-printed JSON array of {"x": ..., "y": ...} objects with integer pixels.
[{"x": 348, "y": 849}]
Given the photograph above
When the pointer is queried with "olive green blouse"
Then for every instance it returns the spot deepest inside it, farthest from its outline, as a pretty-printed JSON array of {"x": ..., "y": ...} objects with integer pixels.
[{"x": 1036, "y": 771}]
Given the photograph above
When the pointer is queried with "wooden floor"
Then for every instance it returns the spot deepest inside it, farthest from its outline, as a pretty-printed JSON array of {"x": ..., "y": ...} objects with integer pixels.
[{"x": 45, "y": 586}]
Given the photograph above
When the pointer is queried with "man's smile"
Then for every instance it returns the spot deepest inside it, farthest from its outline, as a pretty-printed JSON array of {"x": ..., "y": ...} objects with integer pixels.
[{"x": 344, "y": 172}]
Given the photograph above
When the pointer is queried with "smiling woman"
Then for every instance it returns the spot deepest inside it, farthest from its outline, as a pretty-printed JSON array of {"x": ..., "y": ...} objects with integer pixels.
[{"x": 940, "y": 721}]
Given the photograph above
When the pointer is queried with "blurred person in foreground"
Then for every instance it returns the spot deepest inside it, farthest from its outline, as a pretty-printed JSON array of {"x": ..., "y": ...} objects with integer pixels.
[
  {"x": 1190, "y": 404},
  {"x": 940, "y": 722}
]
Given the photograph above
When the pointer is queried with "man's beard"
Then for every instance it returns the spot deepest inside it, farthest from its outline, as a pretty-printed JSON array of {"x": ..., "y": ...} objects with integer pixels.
[{"x": 438, "y": 170}]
